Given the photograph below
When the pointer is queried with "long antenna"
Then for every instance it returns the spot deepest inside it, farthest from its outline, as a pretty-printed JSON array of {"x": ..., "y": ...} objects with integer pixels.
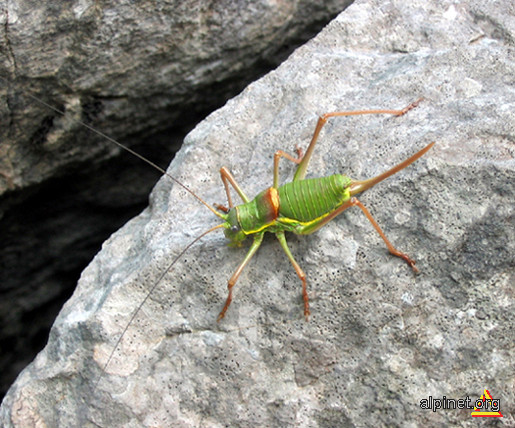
[
  {"x": 147, "y": 296},
  {"x": 158, "y": 168},
  {"x": 128, "y": 149}
]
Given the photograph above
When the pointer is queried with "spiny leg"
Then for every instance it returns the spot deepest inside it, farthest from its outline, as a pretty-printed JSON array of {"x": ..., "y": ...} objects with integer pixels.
[
  {"x": 227, "y": 178},
  {"x": 303, "y": 166},
  {"x": 391, "y": 248},
  {"x": 314, "y": 226},
  {"x": 258, "y": 238},
  {"x": 298, "y": 269},
  {"x": 277, "y": 155}
]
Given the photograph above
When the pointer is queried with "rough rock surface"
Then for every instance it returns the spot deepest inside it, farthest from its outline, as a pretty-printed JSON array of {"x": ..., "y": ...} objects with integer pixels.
[
  {"x": 150, "y": 62},
  {"x": 142, "y": 72},
  {"x": 380, "y": 339}
]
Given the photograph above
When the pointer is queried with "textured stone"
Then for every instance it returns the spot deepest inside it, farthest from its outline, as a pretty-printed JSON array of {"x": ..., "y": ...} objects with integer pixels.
[
  {"x": 132, "y": 68},
  {"x": 380, "y": 339},
  {"x": 142, "y": 72}
]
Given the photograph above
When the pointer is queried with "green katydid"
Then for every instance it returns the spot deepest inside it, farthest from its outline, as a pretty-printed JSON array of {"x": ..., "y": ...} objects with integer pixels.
[{"x": 301, "y": 206}]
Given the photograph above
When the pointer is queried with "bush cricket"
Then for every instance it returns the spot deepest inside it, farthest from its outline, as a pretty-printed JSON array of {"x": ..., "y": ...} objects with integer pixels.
[{"x": 301, "y": 206}]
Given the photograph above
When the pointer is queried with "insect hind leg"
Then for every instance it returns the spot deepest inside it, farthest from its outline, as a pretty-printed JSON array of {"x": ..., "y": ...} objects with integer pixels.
[
  {"x": 322, "y": 120},
  {"x": 391, "y": 248}
]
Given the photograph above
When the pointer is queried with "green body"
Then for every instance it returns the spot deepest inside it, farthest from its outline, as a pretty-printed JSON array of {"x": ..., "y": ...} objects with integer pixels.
[
  {"x": 302, "y": 206},
  {"x": 305, "y": 203}
]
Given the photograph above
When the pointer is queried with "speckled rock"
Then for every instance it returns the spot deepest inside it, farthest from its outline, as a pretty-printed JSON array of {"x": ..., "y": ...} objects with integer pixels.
[
  {"x": 142, "y": 72},
  {"x": 380, "y": 339},
  {"x": 131, "y": 68}
]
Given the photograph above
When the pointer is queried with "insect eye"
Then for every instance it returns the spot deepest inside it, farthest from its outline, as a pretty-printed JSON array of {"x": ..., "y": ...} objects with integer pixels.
[{"x": 235, "y": 229}]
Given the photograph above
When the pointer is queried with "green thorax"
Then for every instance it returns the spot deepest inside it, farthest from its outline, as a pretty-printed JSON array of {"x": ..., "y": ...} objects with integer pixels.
[
  {"x": 309, "y": 199},
  {"x": 259, "y": 213}
]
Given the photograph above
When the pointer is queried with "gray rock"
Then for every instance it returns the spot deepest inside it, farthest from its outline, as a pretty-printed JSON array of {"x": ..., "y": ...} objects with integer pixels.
[
  {"x": 144, "y": 73},
  {"x": 132, "y": 69},
  {"x": 380, "y": 340}
]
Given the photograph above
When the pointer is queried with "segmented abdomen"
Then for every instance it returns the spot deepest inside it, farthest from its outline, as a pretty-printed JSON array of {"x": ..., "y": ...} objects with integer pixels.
[{"x": 306, "y": 200}]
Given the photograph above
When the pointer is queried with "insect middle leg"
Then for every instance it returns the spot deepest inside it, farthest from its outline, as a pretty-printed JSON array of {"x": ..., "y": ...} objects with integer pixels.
[
  {"x": 278, "y": 155},
  {"x": 300, "y": 273}
]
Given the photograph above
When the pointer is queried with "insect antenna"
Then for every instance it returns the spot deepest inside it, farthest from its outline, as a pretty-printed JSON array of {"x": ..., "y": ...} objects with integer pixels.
[
  {"x": 223, "y": 216},
  {"x": 147, "y": 296},
  {"x": 128, "y": 149}
]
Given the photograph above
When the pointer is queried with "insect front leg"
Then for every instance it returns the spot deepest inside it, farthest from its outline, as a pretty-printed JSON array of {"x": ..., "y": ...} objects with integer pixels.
[
  {"x": 322, "y": 120},
  {"x": 258, "y": 238},
  {"x": 228, "y": 178}
]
